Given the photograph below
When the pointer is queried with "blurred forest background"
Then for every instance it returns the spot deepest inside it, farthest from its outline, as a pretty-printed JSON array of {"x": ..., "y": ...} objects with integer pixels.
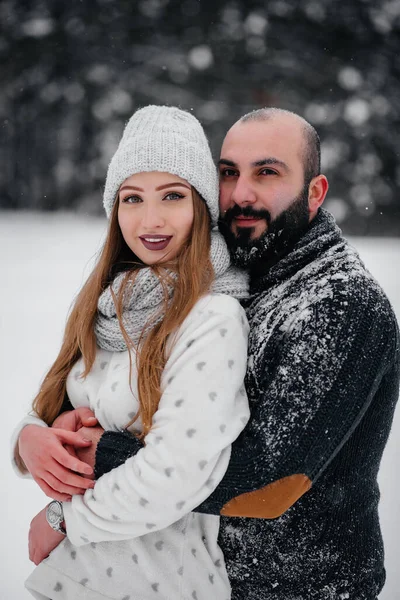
[{"x": 72, "y": 73}]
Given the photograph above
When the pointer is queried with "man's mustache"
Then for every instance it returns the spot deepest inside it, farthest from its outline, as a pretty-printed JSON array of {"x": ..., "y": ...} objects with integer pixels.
[{"x": 245, "y": 211}]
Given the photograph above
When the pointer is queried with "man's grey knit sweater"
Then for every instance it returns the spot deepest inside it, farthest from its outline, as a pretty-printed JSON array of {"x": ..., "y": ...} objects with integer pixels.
[{"x": 323, "y": 381}]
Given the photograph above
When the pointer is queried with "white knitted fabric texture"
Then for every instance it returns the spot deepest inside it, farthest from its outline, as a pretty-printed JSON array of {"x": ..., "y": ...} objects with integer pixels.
[
  {"x": 143, "y": 299},
  {"x": 165, "y": 139}
]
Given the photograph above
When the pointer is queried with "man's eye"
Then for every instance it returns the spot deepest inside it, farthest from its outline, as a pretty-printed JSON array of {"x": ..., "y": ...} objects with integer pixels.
[
  {"x": 173, "y": 196},
  {"x": 267, "y": 172},
  {"x": 227, "y": 173},
  {"x": 132, "y": 199}
]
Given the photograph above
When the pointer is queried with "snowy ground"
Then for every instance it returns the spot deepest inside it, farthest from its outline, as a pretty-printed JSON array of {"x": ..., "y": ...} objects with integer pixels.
[{"x": 44, "y": 259}]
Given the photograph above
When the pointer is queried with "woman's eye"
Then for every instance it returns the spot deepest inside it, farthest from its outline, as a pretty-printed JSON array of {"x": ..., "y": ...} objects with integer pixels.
[
  {"x": 173, "y": 196},
  {"x": 132, "y": 199}
]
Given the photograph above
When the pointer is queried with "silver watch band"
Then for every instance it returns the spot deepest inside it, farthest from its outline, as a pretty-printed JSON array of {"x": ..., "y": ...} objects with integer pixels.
[{"x": 55, "y": 516}]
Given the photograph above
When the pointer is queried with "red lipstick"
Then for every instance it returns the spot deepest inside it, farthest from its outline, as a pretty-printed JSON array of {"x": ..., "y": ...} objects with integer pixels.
[{"x": 155, "y": 242}]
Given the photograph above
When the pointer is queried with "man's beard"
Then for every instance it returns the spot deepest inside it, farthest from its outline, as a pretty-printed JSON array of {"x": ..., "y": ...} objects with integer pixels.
[{"x": 281, "y": 235}]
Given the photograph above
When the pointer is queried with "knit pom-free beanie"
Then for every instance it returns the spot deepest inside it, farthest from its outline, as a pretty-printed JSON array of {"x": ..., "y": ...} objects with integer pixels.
[{"x": 166, "y": 139}]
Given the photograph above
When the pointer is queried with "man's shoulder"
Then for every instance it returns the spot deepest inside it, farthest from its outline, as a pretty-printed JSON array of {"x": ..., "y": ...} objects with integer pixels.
[
  {"x": 338, "y": 271},
  {"x": 337, "y": 282},
  {"x": 349, "y": 278}
]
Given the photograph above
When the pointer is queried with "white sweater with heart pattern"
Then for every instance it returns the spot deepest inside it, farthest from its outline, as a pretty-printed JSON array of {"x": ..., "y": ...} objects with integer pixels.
[{"x": 134, "y": 537}]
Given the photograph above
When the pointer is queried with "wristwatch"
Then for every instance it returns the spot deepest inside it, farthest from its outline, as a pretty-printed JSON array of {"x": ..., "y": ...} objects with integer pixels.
[{"x": 55, "y": 516}]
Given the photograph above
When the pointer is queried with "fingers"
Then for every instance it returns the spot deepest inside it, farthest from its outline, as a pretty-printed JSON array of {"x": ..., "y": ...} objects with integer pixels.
[
  {"x": 61, "y": 484},
  {"x": 52, "y": 493},
  {"x": 89, "y": 421},
  {"x": 86, "y": 416},
  {"x": 44, "y": 452},
  {"x": 31, "y": 546},
  {"x": 91, "y": 433},
  {"x": 35, "y": 555},
  {"x": 67, "y": 420},
  {"x": 73, "y": 438},
  {"x": 67, "y": 478},
  {"x": 84, "y": 411},
  {"x": 74, "y": 419},
  {"x": 31, "y": 549},
  {"x": 71, "y": 462},
  {"x": 61, "y": 487}
]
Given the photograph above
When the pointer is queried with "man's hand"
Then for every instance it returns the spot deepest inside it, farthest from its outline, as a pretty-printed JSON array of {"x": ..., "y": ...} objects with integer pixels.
[
  {"x": 42, "y": 538},
  {"x": 73, "y": 420},
  {"x": 51, "y": 465}
]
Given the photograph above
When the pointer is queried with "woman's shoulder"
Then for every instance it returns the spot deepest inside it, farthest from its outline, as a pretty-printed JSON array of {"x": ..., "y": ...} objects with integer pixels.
[
  {"x": 211, "y": 312},
  {"x": 215, "y": 318},
  {"x": 218, "y": 304}
]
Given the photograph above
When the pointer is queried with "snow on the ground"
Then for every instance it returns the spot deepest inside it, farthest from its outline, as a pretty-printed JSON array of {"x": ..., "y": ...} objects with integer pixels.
[{"x": 44, "y": 260}]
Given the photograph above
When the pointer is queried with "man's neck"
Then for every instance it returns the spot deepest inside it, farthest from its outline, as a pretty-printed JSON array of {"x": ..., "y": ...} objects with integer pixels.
[{"x": 262, "y": 268}]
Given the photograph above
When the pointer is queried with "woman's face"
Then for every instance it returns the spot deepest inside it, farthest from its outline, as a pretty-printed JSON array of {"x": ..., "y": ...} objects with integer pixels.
[{"x": 155, "y": 214}]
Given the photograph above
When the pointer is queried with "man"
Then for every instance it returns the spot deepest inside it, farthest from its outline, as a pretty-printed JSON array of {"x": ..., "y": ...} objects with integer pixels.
[
  {"x": 299, "y": 501},
  {"x": 323, "y": 379}
]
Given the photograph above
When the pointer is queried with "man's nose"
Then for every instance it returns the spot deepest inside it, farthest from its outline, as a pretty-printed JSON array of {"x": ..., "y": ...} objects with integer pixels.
[{"x": 244, "y": 193}]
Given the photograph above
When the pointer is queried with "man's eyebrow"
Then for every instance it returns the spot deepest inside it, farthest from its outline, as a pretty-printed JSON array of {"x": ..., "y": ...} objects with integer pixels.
[
  {"x": 258, "y": 163},
  {"x": 271, "y": 161},
  {"x": 228, "y": 163}
]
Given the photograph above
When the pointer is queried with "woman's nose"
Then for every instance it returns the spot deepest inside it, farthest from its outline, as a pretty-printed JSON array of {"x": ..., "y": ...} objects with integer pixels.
[{"x": 152, "y": 218}]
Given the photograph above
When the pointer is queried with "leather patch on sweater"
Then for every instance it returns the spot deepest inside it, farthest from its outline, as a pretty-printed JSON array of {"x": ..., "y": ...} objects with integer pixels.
[{"x": 270, "y": 501}]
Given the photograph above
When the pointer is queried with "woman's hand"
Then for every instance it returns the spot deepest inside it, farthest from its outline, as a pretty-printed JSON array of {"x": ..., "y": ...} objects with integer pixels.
[
  {"x": 82, "y": 419},
  {"x": 42, "y": 538},
  {"x": 87, "y": 454},
  {"x": 51, "y": 465}
]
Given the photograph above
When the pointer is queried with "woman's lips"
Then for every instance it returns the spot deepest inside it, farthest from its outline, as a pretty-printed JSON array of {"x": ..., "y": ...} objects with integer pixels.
[{"x": 155, "y": 242}]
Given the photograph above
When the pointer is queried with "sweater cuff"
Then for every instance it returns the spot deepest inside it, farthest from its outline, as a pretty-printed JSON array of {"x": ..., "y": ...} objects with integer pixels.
[
  {"x": 114, "y": 448},
  {"x": 211, "y": 505}
]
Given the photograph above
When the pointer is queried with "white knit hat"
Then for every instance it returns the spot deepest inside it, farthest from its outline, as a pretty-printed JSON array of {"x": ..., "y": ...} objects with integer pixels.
[{"x": 166, "y": 139}]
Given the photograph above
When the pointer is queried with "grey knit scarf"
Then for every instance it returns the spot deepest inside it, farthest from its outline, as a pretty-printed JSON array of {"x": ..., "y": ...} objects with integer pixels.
[{"x": 143, "y": 298}]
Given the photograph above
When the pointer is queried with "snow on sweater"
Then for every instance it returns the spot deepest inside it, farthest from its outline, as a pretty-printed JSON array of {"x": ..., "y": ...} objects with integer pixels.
[{"x": 133, "y": 536}]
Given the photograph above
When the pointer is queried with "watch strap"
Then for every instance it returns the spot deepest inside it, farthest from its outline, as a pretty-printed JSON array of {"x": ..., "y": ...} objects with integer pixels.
[{"x": 55, "y": 516}]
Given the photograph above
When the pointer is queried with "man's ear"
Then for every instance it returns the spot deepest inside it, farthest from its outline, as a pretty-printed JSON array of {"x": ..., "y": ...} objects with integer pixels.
[{"x": 317, "y": 191}]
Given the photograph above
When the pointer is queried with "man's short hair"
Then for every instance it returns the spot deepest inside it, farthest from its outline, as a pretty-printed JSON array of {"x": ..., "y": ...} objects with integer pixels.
[{"x": 311, "y": 142}]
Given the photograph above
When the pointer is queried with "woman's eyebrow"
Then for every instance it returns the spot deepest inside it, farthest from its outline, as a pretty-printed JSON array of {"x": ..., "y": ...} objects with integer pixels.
[
  {"x": 160, "y": 187},
  {"x": 131, "y": 187},
  {"x": 172, "y": 184}
]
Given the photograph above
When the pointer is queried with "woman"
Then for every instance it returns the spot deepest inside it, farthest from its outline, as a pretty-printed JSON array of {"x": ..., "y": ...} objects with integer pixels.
[{"x": 157, "y": 345}]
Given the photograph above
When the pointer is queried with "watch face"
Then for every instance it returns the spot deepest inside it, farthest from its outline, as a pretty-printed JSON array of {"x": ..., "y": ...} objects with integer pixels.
[{"x": 54, "y": 512}]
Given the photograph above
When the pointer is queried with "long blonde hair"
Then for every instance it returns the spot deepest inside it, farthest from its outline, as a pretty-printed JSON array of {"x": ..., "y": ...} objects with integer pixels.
[{"x": 194, "y": 277}]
